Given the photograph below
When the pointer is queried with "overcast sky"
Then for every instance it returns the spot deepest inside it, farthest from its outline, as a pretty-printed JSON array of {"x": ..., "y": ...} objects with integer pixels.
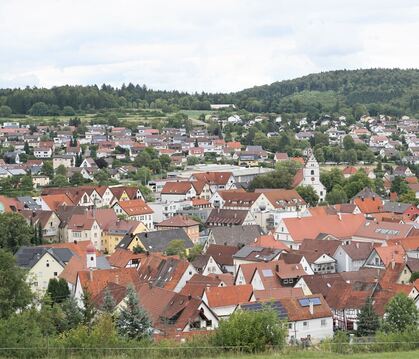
[{"x": 196, "y": 45}]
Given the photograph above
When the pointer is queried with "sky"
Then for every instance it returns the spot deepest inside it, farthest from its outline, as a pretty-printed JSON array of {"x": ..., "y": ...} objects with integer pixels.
[{"x": 197, "y": 45}]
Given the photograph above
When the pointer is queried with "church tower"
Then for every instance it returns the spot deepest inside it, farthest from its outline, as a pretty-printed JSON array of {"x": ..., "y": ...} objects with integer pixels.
[{"x": 311, "y": 175}]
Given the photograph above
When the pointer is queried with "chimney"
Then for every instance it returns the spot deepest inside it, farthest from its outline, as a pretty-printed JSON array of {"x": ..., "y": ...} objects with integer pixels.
[
  {"x": 91, "y": 274},
  {"x": 117, "y": 278},
  {"x": 277, "y": 268},
  {"x": 311, "y": 307},
  {"x": 340, "y": 216},
  {"x": 150, "y": 284},
  {"x": 393, "y": 263},
  {"x": 189, "y": 297},
  {"x": 362, "y": 198},
  {"x": 357, "y": 245}
]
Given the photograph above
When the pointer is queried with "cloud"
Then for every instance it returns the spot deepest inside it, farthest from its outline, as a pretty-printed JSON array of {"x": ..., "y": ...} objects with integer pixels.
[{"x": 218, "y": 45}]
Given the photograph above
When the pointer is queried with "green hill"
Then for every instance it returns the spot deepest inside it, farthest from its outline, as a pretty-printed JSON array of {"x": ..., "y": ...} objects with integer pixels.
[{"x": 391, "y": 91}]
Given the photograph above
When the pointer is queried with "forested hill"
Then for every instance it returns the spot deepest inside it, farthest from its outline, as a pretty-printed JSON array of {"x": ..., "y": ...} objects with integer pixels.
[
  {"x": 386, "y": 91},
  {"x": 392, "y": 91}
]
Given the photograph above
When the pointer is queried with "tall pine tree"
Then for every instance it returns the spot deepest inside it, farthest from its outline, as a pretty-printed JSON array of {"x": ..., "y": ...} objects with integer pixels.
[
  {"x": 108, "y": 305},
  {"x": 368, "y": 320},
  {"x": 133, "y": 321}
]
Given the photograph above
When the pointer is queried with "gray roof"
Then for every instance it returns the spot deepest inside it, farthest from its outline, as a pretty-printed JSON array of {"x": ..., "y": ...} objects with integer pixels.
[
  {"x": 157, "y": 241},
  {"x": 102, "y": 263},
  {"x": 27, "y": 257},
  {"x": 235, "y": 235},
  {"x": 29, "y": 202},
  {"x": 396, "y": 207},
  {"x": 260, "y": 253}
]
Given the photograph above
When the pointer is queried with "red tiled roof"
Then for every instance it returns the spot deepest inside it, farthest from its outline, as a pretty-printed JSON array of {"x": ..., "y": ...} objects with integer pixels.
[
  {"x": 227, "y": 296},
  {"x": 178, "y": 221},
  {"x": 176, "y": 187},
  {"x": 135, "y": 207},
  {"x": 369, "y": 205}
]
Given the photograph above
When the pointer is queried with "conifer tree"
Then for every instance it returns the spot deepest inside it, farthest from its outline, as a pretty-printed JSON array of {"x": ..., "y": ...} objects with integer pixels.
[
  {"x": 133, "y": 321},
  {"x": 108, "y": 305},
  {"x": 368, "y": 321}
]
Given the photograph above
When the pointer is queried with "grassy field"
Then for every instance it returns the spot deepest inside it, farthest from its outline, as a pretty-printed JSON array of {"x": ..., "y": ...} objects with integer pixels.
[{"x": 309, "y": 354}]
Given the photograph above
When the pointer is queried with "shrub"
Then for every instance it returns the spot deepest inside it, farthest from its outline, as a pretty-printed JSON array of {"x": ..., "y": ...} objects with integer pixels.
[{"x": 253, "y": 330}]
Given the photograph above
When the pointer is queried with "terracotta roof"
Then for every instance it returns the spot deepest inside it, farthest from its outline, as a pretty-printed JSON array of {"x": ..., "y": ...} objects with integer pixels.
[
  {"x": 383, "y": 230},
  {"x": 227, "y": 296},
  {"x": 79, "y": 247},
  {"x": 54, "y": 201},
  {"x": 101, "y": 278},
  {"x": 277, "y": 293},
  {"x": 282, "y": 198},
  {"x": 408, "y": 243},
  {"x": 178, "y": 221},
  {"x": 358, "y": 250},
  {"x": 369, "y": 205},
  {"x": 121, "y": 257},
  {"x": 222, "y": 254},
  {"x": 135, "y": 207},
  {"x": 343, "y": 226},
  {"x": 349, "y": 170},
  {"x": 391, "y": 253},
  {"x": 298, "y": 178},
  {"x": 218, "y": 178},
  {"x": 197, "y": 284},
  {"x": 176, "y": 187},
  {"x": 269, "y": 241},
  {"x": 296, "y": 312},
  {"x": 227, "y": 278}
]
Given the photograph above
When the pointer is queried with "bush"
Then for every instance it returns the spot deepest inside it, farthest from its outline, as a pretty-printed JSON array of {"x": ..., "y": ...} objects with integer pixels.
[{"x": 253, "y": 330}]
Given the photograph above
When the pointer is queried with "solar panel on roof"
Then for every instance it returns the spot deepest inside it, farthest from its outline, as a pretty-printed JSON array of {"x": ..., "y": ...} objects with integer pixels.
[{"x": 305, "y": 302}]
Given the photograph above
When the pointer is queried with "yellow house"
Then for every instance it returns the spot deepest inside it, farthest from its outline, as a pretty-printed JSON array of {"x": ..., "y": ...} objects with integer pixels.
[
  {"x": 42, "y": 264},
  {"x": 112, "y": 235}
]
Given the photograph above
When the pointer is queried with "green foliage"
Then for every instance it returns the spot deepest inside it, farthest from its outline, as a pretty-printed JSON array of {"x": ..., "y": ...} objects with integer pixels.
[
  {"x": 77, "y": 179},
  {"x": 47, "y": 169},
  {"x": 15, "y": 293},
  {"x": 368, "y": 320},
  {"x": 195, "y": 251},
  {"x": 58, "y": 290},
  {"x": 14, "y": 232},
  {"x": 39, "y": 109},
  {"x": 414, "y": 276},
  {"x": 399, "y": 185},
  {"x": 255, "y": 330},
  {"x": 282, "y": 177},
  {"x": 59, "y": 181},
  {"x": 133, "y": 321},
  {"x": 401, "y": 314},
  {"x": 336, "y": 195},
  {"x": 5, "y": 111},
  {"x": 89, "y": 310},
  {"x": 308, "y": 194},
  {"x": 108, "y": 305},
  {"x": 176, "y": 247}
]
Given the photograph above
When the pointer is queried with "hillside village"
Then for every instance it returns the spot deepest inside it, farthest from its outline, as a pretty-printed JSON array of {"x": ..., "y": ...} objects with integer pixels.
[{"x": 176, "y": 214}]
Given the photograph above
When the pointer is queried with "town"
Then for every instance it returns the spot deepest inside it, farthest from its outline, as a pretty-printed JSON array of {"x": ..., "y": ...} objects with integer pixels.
[{"x": 201, "y": 221}]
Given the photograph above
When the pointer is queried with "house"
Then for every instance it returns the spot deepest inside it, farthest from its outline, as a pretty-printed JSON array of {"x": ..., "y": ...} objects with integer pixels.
[
  {"x": 381, "y": 257},
  {"x": 254, "y": 254},
  {"x": 114, "y": 232},
  {"x": 43, "y": 152},
  {"x": 48, "y": 221},
  {"x": 381, "y": 232},
  {"x": 222, "y": 256},
  {"x": 369, "y": 205},
  {"x": 216, "y": 180},
  {"x": 309, "y": 317},
  {"x": 177, "y": 191},
  {"x": 281, "y": 156},
  {"x": 223, "y": 301},
  {"x": 292, "y": 231},
  {"x": 174, "y": 315},
  {"x": 136, "y": 210},
  {"x": 229, "y": 217},
  {"x": 155, "y": 241},
  {"x": 351, "y": 256},
  {"x": 66, "y": 160},
  {"x": 348, "y": 171},
  {"x": 42, "y": 264},
  {"x": 190, "y": 226},
  {"x": 233, "y": 236}
]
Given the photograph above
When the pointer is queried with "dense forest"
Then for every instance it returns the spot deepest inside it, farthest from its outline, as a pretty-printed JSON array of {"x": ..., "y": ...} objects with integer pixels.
[{"x": 386, "y": 91}]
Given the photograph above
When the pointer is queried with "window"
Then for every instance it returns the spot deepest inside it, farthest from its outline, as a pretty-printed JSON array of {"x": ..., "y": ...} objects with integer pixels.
[
  {"x": 312, "y": 172},
  {"x": 55, "y": 274},
  {"x": 289, "y": 325},
  {"x": 47, "y": 264},
  {"x": 305, "y": 325},
  {"x": 323, "y": 322}
]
